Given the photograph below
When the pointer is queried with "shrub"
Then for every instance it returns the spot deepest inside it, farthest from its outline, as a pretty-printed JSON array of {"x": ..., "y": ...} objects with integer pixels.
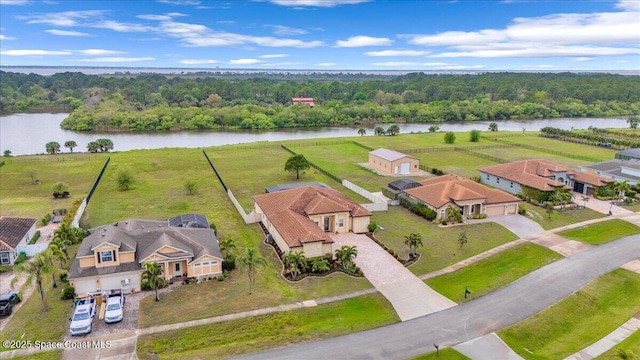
[
  {"x": 45, "y": 219},
  {"x": 450, "y": 137},
  {"x": 3, "y": 268},
  {"x": 35, "y": 238},
  {"x": 522, "y": 209},
  {"x": 229, "y": 263},
  {"x": 68, "y": 292},
  {"x": 221, "y": 278},
  {"x": 145, "y": 286},
  {"x": 474, "y": 136},
  {"x": 125, "y": 180},
  {"x": 372, "y": 227},
  {"x": 190, "y": 187},
  {"x": 20, "y": 259}
]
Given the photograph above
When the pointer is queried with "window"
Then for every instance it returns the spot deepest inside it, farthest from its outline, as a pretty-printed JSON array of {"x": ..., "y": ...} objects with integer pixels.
[
  {"x": 488, "y": 177},
  {"x": 415, "y": 166},
  {"x": 340, "y": 222},
  {"x": 511, "y": 184},
  {"x": 472, "y": 209},
  {"x": 498, "y": 180},
  {"x": 4, "y": 257},
  {"x": 205, "y": 263},
  {"x": 214, "y": 263},
  {"x": 197, "y": 265},
  {"x": 106, "y": 256}
]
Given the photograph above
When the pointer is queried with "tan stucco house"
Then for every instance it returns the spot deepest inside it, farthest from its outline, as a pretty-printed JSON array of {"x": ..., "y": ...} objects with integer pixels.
[
  {"x": 113, "y": 256},
  {"x": 390, "y": 162},
  {"x": 471, "y": 197},
  {"x": 302, "y": 219},
  {"x": 15, "y": 233}
]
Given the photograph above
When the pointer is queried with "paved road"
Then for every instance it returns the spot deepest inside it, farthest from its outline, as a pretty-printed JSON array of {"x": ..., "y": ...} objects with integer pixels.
[{"x": 506, "y": 306}]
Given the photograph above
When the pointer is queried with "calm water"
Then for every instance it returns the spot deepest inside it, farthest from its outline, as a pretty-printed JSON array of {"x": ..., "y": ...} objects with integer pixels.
[{"x": 26, "y": 134}]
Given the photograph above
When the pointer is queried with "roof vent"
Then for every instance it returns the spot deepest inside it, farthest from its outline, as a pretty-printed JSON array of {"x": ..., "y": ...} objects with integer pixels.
[{"x": 103, "y": 235}]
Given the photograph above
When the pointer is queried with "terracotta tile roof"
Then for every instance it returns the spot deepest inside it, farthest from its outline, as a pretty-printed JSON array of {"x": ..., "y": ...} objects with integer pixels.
[
  {"x": 288, "y": 211},
  {"x": 13, "y": 230},
  {"x": 592, "y": 179},
  {"x": 441, "y": 190},
  {"x": 389, "y": 155},
  {"x": 308, "y": 101}
]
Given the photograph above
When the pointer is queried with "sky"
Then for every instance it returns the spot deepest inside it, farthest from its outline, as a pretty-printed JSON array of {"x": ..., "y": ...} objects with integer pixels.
[{"x": 491, "y": 35}]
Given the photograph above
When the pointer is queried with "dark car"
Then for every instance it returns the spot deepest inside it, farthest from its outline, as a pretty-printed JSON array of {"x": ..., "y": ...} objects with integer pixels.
[{"x": 12, "y": 296}]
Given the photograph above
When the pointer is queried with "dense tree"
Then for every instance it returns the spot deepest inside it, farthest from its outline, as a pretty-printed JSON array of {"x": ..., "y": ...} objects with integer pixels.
[
  {"x": 345, "y": 256},
  {"x": 379, "y": 130},
  {"x": 633, "y": 121},
  {"x": 434, "y": 128},
  {"x": 493, "y": 126},
  {"x": 105, "y": 144},
  {"x": 294, "y": 263},
  {"x": 93, "y": 147},
  {"x": 70, "y": 144},
  {"x": 125, "y": 180},
  {"x": 297, "y": 164},
  {"x": 362, "y": 131},
  {"x": 449, "y": 137},
  {"x": 474, "y": 136},
  {"x": 251, "y": 261},
  {"x": 52, "y": 147},
  {"x": 7, "y": 153},
  {"x": 393, "y": 130}
]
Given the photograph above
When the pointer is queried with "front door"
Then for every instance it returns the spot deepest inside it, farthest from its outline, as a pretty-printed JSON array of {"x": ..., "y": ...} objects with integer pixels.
[
  {"x": 327, "y": 224},
  {"x": 176, "y": 270}
]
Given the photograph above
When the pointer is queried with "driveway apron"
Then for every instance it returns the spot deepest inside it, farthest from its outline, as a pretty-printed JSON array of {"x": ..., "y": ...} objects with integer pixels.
[
  {"x": 410, "y": 296},
  {"x": 488, "y": 347},
  {"x": 517, "y": 224},
  {"x": 601, "y": 206}
]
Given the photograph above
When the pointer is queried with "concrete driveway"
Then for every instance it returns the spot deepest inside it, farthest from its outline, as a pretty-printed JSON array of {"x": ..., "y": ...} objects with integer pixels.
[
  {"x": 600, "y": 206},
  {"x": 410, "y": 296},
  {"x": 517, "y": 224}
]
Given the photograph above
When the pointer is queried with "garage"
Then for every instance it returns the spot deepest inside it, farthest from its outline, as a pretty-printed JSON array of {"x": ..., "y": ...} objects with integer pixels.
[
  {"x": 405, "y": 168},
  {"x": 107, "y": 282},
  {"x": 494, "y": 210}
]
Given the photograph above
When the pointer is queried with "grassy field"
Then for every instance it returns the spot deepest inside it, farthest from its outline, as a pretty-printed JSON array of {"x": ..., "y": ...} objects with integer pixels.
[
  {"x": 269, "y": 331},
  {"x": 46, "y": 355},
  {"x": 560, "y": 218},
  {"x": 445, "y": 354},
  {"x": 50, "y": 325},
  {"x": 630, "y": 344},
  {"x": 514, "y": 154},
  {"x": 441, "y": 247},
  {"x": 603, "y": 232},
  {"x": 417, "y": 141},
  {"x": 579, "y": 320},
  {"x": 494, "y": 272},
  {"x": 599, "y": 153},
  {"x": 18, "y": 197}
]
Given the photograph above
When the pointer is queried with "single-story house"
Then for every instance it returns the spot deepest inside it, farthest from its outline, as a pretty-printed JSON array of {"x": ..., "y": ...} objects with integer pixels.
[
  {"x": 628, "y": 154},
  {"x": 617, "y": 169},
  {"x": 303, "y": 219},
  {"x": 114, "y": 255},
  {"x": 308, "y": 101},
  {"x": 542, "y": 175},
  {"x": 471, "y": 197},
  {"x": 391, "y": 162},
  {"x": 15, "y": 232}
]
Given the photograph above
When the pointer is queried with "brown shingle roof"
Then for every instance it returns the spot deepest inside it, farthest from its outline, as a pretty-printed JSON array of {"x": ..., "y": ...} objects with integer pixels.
[
  {"x": 441, "y": 190},
  {"x": 13, "y": 230},
  {"x": 288, "y": 211}
]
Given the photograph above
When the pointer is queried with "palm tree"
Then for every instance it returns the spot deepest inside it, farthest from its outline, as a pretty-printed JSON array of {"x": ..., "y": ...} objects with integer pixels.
[
  {"x": 379, "y": 130},
  {"x": 56, "y": 253},
  {"x": 621, "y": 188},
  {"x": 35, "y": 269},
  {"x": 295, "y": 262},
  {"x": 362, "y": 131},
  {"x": 345, "y": 255},
  {"x": 52, "y": 147},
  {"x": 453, "y": 213},
  {"x": 319, "y": 265},
  {"x": 70, "y": 144},
  {"x": 226, "y": 245},
  {"x": 413, "y": 240},
  {"x": 252, "y": 260},
  {"x": 67, "y": 235},
  {"x": 585, "y": 200},
  {"x": 152, "y": 274},
  {"x": 493, "y": 126}
]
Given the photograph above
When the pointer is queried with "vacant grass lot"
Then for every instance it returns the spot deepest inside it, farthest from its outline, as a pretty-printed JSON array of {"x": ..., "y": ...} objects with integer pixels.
[
  {"x": 445, "y": 354},
  {"x": 441, "y": 247},
  {"x": 19, "y": 198},
  {"x": 630, "y": 344},
  {"x": 494, "y": 272},
  {"x": 515, "y": 154},
  {"x": 269, "y": 331},
  {"x": 30, "y": 322},
  {"x": 564, "y": 146},
  {"x": 417, "y": 141},
  {"x": 603, "y": 232},
  {"x": 579, "y": 320},
  {"x": 560, "y": 218}
]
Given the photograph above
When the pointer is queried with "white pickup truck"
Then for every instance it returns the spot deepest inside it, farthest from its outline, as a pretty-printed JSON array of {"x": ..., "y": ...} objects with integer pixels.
[
  {"x": 115, "y": 307},
  {"x": 83, "y": 316}
]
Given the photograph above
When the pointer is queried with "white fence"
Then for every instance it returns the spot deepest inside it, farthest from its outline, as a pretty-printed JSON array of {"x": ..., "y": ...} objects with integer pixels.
[
  {"x": 381, "y": 206},
  {"x": 248, "y": 219},
  {"x": 33, "y": 249},
  {"x": 378, "y": 203},
  {"x": 81, "y": 208}
]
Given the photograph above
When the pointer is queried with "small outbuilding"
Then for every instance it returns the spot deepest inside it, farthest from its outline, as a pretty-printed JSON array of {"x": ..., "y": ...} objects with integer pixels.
[
  {"x": 308, "y": 101},
  {"x": 390, "y": 162}
]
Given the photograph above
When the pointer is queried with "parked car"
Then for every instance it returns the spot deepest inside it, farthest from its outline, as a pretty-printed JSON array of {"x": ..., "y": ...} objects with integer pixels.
[
  {"x": 7, "y": 300},
  {"x": 115, "y": 307},
  {"x": 83, "y": 316}
]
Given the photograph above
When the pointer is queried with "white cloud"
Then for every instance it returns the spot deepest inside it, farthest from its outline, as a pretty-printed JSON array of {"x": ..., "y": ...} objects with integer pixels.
[
  {"x": 538, "y": 66},
  {"x": 273, "y": 56},
  {"x": 245, "y": 61},
  {"x": 226, "y": 22},
  {"x": 66, "y": 18},
  {"x": 284, "y": 63},
  {"x": 118, "y": 59},
  {"x": 285, "y": 30},
  {"x": 6, "y": 38},
  {"x": 180, "y": 2},
  {"x": 623, "y": 61},
  {"x": 198, "y": 61},
  {"x": 154, "y": 17},
  {"x": 534, "y": 51},
  {"x": 326, "y": 64},
  {"x": 32, "y": 52},
  {"x": 66, "y": 33},
  {"x": 121, "y": 27},
  {"x": 582, "y": 59},
  {"x": 360, "y": 41},
  {"x": 95, "y": 52},
  {"x": 397, "y": 53},
  {"x": 396, "y": 63},
  {"x": 437, "y": 65},
  {"x": 14, "y": 2},
  {"x": 316, "y": 3}
]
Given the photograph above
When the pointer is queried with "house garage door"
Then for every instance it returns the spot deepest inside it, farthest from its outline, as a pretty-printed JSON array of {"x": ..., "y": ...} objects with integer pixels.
[
  {"x": 512, "y": 209},
  {"x": 85, "y": 286},
  {"x": 494, "y": 210},
  {"x": 405, "y": 168}
]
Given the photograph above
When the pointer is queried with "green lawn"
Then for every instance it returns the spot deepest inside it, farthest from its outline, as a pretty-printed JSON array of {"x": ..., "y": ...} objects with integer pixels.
[
  {"x": 18, "y": 197},
  {"x": 595, "y": 152},
  {"x": 417, "y": 141},
  {"x": 560, "y": 218},
  {"x": 494, "y": 272},
  {"x": 630, "y": 344},
  {"x": 515, "y": 154},
  {"x": 50, "y": 325},
  {"x": 45, "y": 355},
  {"x": 579, "y": 320},
  {"x": 602, "y": 232},
  {"x": 445, "y": 354},
  {"x": 265, "y": 332},
  {"x": 441, "y": 247}
]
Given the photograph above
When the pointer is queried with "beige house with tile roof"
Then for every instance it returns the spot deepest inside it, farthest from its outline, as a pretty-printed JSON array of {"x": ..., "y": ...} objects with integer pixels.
[
  {"x": 302, "y": 219},
  {"x": 114, "y": 255},
  {"x": 390, "y": 162},
  {"x": 472, "y": 198}
]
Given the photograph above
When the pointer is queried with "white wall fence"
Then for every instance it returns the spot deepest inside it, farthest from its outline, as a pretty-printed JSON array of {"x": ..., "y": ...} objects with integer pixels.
[
  {"x": 377, "y": 204},
  {"x": 33, "y": 249},
  {"x": 76, "y": 218},
  {"x": 248, "y": 219}
]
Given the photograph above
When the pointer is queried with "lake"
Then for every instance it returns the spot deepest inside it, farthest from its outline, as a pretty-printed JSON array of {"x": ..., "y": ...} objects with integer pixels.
[{"x": 27, "y": 134}]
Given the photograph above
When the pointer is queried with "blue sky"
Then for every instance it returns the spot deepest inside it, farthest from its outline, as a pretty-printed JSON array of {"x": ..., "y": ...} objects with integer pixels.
[{"x": 323, "y": 34}]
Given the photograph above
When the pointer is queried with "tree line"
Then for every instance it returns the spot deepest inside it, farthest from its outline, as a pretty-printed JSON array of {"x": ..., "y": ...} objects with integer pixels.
[{"x": 157, "y": 102}]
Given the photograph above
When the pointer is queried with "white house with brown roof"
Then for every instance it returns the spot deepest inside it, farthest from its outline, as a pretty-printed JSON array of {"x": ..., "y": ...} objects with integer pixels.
[
  {"x": 472, "y": 198},
  {"x": 542, "y": 175},
  {"x": 113, "y": 256},
  {"x": 15, "y": 233},
  {"x": 303, "y": 219},
  {"x": 390, "y": 162}
]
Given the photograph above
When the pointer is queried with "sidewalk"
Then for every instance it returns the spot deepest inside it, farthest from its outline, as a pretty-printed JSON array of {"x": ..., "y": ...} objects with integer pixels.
[{"x": 612, "y": 339}]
